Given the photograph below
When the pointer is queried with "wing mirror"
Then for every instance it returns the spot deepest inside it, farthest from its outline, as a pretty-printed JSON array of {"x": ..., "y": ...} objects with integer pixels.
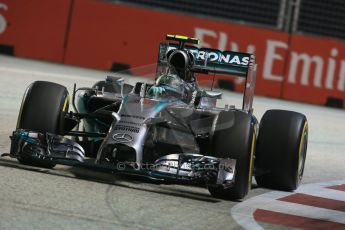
[
  {"x": 211, "y": 94},
  {"x": 116, "y": 80},
  {"x": 121, "y": 82}
]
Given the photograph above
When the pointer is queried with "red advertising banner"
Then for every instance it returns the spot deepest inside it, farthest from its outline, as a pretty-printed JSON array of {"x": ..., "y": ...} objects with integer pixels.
[
  {"x": 35, "y": 28},
  {"x": 104, "y": 34},
  {"x": 315, "y": 71},
  {"x": 108, "y": 35}
]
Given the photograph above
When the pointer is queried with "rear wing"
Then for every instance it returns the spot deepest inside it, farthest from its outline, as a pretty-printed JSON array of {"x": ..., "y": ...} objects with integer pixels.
[{"x": 212, "y": 60}]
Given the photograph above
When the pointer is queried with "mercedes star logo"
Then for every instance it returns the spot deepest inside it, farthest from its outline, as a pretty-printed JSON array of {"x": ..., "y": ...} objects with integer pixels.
[{"x": 122, "y": 137}]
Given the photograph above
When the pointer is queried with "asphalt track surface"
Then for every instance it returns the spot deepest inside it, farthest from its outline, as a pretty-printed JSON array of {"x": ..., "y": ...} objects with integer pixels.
[{"x": 75, "y": 198}]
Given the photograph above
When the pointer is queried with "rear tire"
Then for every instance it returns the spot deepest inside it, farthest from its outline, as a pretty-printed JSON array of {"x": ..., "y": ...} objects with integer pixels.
[
  {"x": 234, "y": 138},
  {"x": 43, "y": 108},
  {"x": 281, "y": 150}
]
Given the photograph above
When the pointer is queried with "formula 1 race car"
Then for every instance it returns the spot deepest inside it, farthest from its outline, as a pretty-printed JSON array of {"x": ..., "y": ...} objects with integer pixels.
[{"x": 169, "y": 130}]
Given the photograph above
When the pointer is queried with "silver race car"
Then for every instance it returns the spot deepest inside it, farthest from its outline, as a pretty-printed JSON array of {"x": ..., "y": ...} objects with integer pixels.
[{"x": 169, "y": 130}]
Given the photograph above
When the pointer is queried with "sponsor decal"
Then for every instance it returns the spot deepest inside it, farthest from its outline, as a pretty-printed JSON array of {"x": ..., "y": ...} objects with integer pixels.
[
  {"x": 216, "y": 56},
  {"x": 122, "y": 137},
  {"x": 131, "y": 123},
  {"x": 127, "y": 128},
  {"x": 311, "y": 71},
  {"x": 133, "y": 116}
]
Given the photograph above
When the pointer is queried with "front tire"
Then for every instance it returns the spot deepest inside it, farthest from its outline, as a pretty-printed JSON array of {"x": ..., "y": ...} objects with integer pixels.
[
  {"x": 281, "y": 150},
  {"x": 234, "y": 138},
  {"x": 43, "y": 109}
]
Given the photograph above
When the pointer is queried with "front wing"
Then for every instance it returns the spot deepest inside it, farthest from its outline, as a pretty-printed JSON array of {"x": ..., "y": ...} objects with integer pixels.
[{"x": 179, "y": 168}]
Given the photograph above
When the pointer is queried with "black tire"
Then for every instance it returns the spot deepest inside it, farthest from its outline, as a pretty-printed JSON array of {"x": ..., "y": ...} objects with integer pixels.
[
  {"x": 281, "y": 150},
  {"x": 234, "y": 138},
  {"x": 43, "y": 108}
]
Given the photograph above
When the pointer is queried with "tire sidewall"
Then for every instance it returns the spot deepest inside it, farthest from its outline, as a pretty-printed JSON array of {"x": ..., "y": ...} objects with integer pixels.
[
  {"x": 278, "y": 149},
  {"x": 236, "y": 141}
]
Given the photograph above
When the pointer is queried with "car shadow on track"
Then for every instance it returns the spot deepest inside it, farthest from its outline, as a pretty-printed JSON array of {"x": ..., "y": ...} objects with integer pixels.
[{"x": 131, "y": 182}]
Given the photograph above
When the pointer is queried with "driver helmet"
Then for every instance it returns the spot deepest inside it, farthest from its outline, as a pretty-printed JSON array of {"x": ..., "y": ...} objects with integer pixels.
[
  {"x": 171, "y": 82},
  {"x": 181, "y": 61}
]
